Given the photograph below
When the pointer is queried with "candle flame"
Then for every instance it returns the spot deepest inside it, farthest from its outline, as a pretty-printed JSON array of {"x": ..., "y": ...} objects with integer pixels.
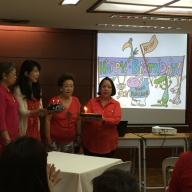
[{"x": 85, "y": 108}]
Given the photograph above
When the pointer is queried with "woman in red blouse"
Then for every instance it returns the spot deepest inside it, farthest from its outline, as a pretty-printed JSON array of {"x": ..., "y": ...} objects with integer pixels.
[
  {"x": 62, "y": 129},
  {"x": 28, "y": 94},
  {"x": 9, "y": 105},
  {"x": 100, "y": 136},
  {"x": 181, "y": 178}
]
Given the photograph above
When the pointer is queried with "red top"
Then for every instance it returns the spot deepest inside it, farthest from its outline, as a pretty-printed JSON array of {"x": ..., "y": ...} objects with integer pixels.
[
  {"x": 62, "y": 128},
  {"x": 8, "y": 113},
  {"x": 32, "y": 126},
  {"x": 181, "y": 178},
  {"x": 101, "y": 137}
]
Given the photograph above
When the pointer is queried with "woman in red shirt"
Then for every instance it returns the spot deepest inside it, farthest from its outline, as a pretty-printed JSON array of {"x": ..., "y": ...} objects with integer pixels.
[
  {"x": 28, "y": 94},
  {"x": 9, "y": 105},
  {"x": 62, "y": 129},
  {"x": 100, "y": 136},
  {"x": 181, "y": 178}
]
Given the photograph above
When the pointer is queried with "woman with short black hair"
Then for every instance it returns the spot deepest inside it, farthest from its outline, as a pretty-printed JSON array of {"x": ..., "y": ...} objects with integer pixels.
[
  {"x": 100, "y": 137},
  {"x": 29, "y": 96},
  {"x": 115, "y": 180},
  {"x": 9, "y": 105},
  {"x": 23, "y": 167},
  {"x": 63, "y": 129}
]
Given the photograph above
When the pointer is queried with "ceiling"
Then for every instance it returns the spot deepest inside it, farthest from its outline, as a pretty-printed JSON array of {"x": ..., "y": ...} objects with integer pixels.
[{"x": 48, "y": 13}]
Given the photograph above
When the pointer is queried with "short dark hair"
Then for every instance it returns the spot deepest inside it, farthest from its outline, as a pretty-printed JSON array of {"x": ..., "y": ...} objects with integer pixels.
[
  {"x": 23, "y": 164},
  {"x": 112, "y": 85},
  {"x": 28, "y": 65},
  {"x": 64, "y": 77},
  {"x": 6, "y": 67},
  {"x": 115, "y": 180}
]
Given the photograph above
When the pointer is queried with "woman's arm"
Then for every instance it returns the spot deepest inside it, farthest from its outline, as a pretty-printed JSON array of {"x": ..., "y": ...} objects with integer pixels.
[
  {"x": 3, "y": 126},
  {"x": 22, "y": 110},
  {"x": 40, "y": 104},
  {"x": 20, "y": 133},
  {"x": 6, "y": 136},
  {"x": 78, "y": 128},
  {"x": 47, "y": 130},
  {"x": 78, "y": 123},
  {"x": 115, "y": 119}
]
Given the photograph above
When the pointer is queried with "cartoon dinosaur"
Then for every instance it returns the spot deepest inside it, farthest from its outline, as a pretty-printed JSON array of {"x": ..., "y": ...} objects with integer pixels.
[
  {"x": 129, "y": 44},
  {"x": 165, "y": 98}
]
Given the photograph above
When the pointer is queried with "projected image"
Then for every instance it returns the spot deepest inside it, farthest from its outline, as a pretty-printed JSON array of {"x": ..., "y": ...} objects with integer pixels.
[{"x": 148, "y": 70}]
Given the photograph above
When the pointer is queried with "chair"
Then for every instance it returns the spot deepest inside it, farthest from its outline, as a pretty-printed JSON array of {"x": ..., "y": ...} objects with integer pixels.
[
  {"x": 166, "y": 163},
  {"x": 121, "y": 128},
  {"x": 126, "y": 166}
]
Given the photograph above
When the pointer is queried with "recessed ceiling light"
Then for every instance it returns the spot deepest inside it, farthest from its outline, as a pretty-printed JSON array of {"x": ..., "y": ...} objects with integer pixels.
[
  {"x": 110, "y": 7},
  {"x": 152, "y": 18},
  {"x": 137, "y": 26},
  {"x": 69, "y": 2},
  {"x": 144, "y": 2}
]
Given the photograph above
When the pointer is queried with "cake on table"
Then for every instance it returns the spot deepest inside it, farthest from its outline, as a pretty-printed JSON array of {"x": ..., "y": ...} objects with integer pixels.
[
  {"x": 91, "y": 115},
  {"x": 56, "y": 107}
]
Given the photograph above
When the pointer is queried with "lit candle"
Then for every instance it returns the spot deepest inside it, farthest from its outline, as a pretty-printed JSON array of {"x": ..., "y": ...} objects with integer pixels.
[
  {"x": 57, "y": 101},
  {"x": 85, "y": 109},
  {"x": 53, "y": 101}
]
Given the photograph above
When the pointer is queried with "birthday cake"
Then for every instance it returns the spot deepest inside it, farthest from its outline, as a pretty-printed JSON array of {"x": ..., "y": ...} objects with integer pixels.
[
  {"x": 91, "y": 115},
  {"x": 55, "y": 107}
]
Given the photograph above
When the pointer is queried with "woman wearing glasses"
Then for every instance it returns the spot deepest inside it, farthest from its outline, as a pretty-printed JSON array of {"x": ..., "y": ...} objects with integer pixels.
[{"x": 9, "y": 105}]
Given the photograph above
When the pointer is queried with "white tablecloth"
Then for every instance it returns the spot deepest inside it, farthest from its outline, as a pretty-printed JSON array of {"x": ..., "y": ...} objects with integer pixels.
[{"x": 77, "y": 171}]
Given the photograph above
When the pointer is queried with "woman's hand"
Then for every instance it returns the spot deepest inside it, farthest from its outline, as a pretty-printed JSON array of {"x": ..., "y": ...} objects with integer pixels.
[
  {"x": 87, "y": 119},
  {"x": 20, "y": 133},
  {"x": 52, "y": 176},
  {"x": 42, "y": 112},
  {"x": 100, "y": 119}
]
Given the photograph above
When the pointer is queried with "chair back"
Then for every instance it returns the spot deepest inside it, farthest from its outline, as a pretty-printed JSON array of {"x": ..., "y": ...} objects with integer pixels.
[
  {"x": 126, "y": 166},
  {"x": 121, "y": 128},
  {"x": 166, "y": 163}
]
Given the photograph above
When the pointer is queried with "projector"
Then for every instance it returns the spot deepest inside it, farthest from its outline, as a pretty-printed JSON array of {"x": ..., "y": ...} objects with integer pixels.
[{"x": 164, "y": 130}]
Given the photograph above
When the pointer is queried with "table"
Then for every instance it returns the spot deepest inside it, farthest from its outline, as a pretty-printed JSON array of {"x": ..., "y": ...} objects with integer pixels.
[
  {"x": 77, "y": 171},
  {"x": 153, "y": 141},
  {"x": 131, "y": 140}
]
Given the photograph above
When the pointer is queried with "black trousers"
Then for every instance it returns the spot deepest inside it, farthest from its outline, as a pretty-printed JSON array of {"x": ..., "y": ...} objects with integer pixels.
[{"x": 108, "y": 155}]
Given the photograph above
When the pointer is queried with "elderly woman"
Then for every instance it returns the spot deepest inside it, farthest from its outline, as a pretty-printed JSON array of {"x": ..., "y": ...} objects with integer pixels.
[
  {"x": 9, "y": 105},
  {"x": 28, "y": 94},
  {"x": 62, "y": 129},
  {"x": 100, "y": 137}
]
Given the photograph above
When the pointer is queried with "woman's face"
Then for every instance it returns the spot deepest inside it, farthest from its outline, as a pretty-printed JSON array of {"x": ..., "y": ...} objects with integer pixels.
[
  {"x": 33, "y": 75},
  {"x": 67, "y": 88},
  {"x": 106, "y": 89},
  {"x": 11, "y": 77}
]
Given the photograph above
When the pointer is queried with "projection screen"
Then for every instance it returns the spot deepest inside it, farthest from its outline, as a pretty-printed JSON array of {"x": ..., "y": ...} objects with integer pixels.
[{"x": 149, "y": 73}]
